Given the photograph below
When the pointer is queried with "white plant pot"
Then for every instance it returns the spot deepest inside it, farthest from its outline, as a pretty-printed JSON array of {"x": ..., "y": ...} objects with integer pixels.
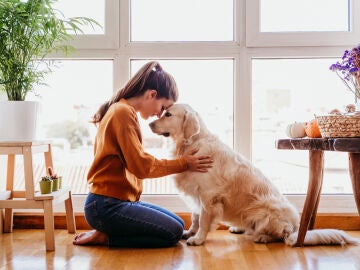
[{"x": 18, "y": 120}]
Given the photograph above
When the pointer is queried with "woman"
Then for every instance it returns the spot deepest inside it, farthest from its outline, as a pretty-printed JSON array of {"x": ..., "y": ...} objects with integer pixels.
[{"x": 112, "y": 207}]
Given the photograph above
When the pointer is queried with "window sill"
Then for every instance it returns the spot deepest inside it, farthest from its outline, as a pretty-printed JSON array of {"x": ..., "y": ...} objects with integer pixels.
[{"x": 329, "y": 204}]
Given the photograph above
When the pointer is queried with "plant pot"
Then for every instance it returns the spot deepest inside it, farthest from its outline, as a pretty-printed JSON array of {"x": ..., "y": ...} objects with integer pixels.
[
  {"x": 18, "y": 120},
  {"x": 46, "y": 187},
  {"x": 56, "y": 183},
  {"x": 60, "y": 182}
]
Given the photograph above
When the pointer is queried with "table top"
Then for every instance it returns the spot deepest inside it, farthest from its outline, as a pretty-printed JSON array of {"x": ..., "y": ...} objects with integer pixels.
[
  {"x": 24, "y": 143},
  {"x": 326, "y": 144}
]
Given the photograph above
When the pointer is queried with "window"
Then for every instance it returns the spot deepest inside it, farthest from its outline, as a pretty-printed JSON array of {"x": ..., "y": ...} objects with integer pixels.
[
  {"x": 234, "y": 61},
  {"x": 72, "y": 94},
  {"x": 213, "y": 99},
  {"x": 304, "y": 15},
  {"x": 105, "y": 12},
  {"x": 289, "y": 90},
  {"x": 301, "y": 23},
  {"x": 181, "y": 20},
  {"x": 94, "y": 10}
]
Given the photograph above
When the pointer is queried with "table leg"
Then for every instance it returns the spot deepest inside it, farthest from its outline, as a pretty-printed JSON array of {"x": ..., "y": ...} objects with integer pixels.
[
  {"x": 354, "y": 169},
  {"x": 316, "y": 170}
]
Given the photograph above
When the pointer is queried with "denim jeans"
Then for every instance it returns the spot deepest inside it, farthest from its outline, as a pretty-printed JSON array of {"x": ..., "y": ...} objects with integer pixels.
[{"x": 133, "y": 224}]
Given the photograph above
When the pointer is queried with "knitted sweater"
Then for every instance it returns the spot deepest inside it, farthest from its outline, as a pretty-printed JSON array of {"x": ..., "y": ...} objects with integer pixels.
[{"x": 120, "y": 162}]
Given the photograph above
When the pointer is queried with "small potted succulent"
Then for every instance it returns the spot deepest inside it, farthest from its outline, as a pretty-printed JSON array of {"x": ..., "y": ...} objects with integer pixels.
[
  {"x": 57, "y": 180},
  {"x": 46, "y": 185}
]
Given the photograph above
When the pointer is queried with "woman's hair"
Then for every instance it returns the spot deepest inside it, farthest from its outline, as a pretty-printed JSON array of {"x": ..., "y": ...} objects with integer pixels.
[{"x": 150, "y": 76}]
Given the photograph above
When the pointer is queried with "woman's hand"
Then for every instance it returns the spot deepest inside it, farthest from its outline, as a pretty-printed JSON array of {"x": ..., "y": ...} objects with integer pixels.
[{"x": 198, "y": 163}]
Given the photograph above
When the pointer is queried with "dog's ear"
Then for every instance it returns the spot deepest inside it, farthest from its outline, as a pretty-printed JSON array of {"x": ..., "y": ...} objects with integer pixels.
[{"x": 191, "y": 125}]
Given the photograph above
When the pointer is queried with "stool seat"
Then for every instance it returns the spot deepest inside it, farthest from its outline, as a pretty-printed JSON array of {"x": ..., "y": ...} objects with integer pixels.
[{"x": 30, "y": 198}]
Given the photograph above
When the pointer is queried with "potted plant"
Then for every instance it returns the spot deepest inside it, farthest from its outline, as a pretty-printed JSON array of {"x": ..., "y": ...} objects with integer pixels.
[
  {"x": 46, "y": 185},
  {"x": 57, "y": 180},
  {"x": 29, "y": 30}
]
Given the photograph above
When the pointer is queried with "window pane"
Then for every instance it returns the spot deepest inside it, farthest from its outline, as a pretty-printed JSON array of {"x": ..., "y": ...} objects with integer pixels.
[
  {"x": 73, "y": 93},
  {"x": 212, "y": 99},
  {"x": 304, "y": 15},
  {"x": 289, "y": 90},
  {"x": 181, "y": 20},
  {"x": 94, "y": 9}
]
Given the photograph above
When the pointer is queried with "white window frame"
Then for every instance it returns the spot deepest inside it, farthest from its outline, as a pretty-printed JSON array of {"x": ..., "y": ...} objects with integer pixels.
[
  {"x": 255, "y": 38},
  {"x": 108, "y": 40},
  {"x": 247, "y": 45}
]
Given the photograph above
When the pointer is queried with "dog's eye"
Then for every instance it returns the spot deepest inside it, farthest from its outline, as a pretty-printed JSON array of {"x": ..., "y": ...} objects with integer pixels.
[{"x": 167, "y": 114}]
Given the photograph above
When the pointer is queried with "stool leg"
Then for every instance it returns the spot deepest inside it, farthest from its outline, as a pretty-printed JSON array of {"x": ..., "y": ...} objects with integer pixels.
[
  {"x": 1, "y": 221},
  {"x": 354, "y": 169},
  {"x": 70, "y": 219},
  {"x": 8, "y": 220},
  {"x": 49, "y": 225},
  {"x": 316, "y": 169}
]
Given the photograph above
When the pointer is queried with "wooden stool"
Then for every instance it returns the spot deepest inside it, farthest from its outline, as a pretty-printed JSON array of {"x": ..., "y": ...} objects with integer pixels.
[{"x": 29, "y": 198}]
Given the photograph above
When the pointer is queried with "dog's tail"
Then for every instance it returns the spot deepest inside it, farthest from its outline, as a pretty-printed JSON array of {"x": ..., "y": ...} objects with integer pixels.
[{"x": 323, "y": 237}]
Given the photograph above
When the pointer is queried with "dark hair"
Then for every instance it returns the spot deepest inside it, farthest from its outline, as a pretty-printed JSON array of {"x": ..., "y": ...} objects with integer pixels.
[{"x": 150, "y": 76}]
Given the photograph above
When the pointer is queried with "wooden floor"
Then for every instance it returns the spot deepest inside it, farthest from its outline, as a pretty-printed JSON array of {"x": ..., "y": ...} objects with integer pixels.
[{"x": 25, "y": 249}]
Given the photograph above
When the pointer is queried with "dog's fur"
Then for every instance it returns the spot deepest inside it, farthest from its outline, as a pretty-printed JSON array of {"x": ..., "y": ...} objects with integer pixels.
[{"x": 233, "y": 192}]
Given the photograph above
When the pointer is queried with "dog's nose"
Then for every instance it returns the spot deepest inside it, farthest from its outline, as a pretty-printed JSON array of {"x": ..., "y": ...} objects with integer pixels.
[{"x": 152, "y": 125}]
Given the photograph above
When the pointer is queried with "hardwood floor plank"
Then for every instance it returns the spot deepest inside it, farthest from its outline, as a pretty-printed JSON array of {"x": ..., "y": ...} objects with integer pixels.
[{"x": 25, "y": 249}]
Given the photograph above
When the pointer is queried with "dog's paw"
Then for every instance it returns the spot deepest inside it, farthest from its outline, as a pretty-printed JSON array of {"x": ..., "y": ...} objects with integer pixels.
[
  {"x": 291, "y": 239},
  {"x": 236, "y": 230},
  {"x": 287, "y": 231},
  {"x": 187, "y": 234},
  {"x": 263, "y": 238},
  {"x": 195, "y": 241}
]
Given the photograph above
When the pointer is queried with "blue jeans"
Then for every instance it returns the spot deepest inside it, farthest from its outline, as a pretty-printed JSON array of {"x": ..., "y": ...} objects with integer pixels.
[{"x": 133, "y": 224}]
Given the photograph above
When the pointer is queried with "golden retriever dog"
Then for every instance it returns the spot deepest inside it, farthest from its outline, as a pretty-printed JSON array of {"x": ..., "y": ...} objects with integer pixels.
[{"x": 233, "y": 191}]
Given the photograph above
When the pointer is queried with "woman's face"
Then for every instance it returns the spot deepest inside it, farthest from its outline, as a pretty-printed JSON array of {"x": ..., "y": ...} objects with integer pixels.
[{"x": 154, "y": 106}]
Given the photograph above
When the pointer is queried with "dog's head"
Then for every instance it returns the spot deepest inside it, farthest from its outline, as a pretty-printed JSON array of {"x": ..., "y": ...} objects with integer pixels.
[{"x": 180, "y": 122}]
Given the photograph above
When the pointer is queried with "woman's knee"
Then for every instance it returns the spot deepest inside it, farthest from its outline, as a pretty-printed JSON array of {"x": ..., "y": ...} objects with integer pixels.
[{"x": 176, "y": 234}]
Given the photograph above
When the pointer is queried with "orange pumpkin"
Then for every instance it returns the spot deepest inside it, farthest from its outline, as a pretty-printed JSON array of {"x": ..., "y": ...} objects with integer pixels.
[{"x": 312, "y": 129}]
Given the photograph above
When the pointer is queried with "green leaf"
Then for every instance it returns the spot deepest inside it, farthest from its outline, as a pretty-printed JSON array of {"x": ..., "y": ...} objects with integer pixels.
[{"x": 29, "y": 31}]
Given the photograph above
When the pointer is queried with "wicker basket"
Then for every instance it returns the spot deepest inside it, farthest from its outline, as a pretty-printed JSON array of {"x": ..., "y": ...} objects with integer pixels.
[{"x": 333, "y": 125}]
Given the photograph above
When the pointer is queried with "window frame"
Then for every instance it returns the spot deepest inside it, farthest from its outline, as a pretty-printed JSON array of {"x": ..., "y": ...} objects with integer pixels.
[
  {"x": 255, "y": 38},
  {"x": 247, "y": 45},
  {"x": 108, "y": 40}
]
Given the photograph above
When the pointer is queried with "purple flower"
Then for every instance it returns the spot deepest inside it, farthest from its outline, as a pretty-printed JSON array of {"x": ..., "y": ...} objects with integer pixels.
[{"x": 348, "y": 69}]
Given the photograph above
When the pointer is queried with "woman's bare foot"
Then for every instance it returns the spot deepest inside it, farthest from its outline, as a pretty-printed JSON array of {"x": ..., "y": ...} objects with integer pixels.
[{"x": 93, "y": 237}]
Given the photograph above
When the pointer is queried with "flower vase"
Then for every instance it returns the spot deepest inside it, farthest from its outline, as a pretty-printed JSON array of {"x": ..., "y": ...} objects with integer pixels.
[
  {"x": 46, "y": 187},
  {"x": 357, "y": 105}
]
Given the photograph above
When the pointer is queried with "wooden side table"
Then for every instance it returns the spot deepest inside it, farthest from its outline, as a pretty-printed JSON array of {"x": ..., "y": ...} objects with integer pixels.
[
  {"x": 316, "y": 148},
  {"x": 29, "y": 198}
]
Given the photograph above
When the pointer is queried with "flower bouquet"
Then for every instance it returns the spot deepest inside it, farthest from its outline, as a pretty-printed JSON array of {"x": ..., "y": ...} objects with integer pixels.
[
  {"x": 338, "y": 124},
  {"x": 348, "y": 70}
]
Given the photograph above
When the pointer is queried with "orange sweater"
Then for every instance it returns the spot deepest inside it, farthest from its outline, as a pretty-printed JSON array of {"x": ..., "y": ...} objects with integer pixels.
[{"x": 120, "y": 162}]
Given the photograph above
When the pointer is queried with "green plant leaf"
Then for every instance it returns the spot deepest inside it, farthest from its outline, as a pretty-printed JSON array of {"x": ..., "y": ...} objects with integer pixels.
[{"x": 29, "y": 31}]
